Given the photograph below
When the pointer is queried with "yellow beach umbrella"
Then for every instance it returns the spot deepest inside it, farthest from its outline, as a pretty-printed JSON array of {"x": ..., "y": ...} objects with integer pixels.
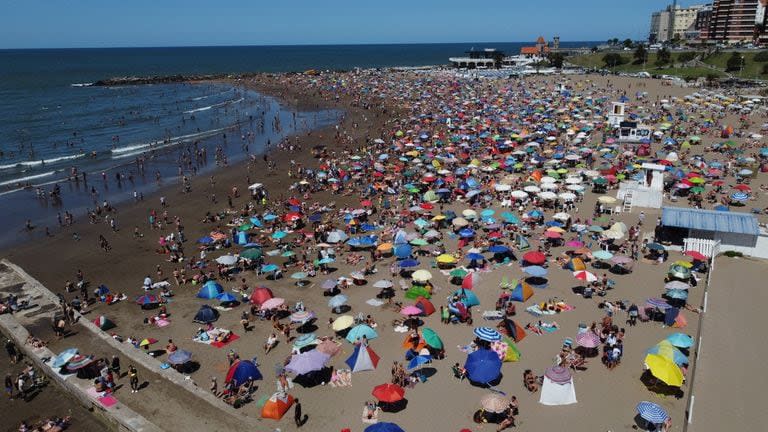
[
  {"x": 343, "y": 322},
  {"x": 438, "y": 218},
  {"x": 446, "y": 259},
  {"x": 685, "y": 264},
  {"x": 664, "y": 369},
  {"x": 605, "y": 199}
]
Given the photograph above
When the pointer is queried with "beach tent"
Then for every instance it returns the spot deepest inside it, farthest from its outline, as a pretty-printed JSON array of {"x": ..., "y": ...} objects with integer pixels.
[
  {"x": 362, "y": 359},
  {"x": 276, "y": 406},
  {"x": 260, "y": 295},
  {"x": 241, "y": 238},
  {"x": 206, "y": 314},
  {"x": 104, "y": 323},
  {"x": 522, "y": 292},
  {"x": 426, "y": 306},
  {"x": 673, "y": 317},
  {"x": 210, "y": 290},
  {"x": 241, "y": 371},
  {"x": 417, "y": 291},
  {"x": 467, "y": 297},
  {"x": 558, "y": 388},
  {"x": 522, "y": 243},
  {"x": 575, "y": 264},
  {"x": 483, "y": 366},
  {"x": 514, "y": 330}
]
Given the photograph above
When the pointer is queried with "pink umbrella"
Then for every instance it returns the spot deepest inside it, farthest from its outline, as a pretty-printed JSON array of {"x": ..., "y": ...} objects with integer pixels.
[
  {"x": 272, "y": 303},
  {"x": 410, "y": 310},
  {"x": 588, "y": 339},
  {"x": 574, "y": 244},
  {"x": 470, "y": 281},
  {"x": 552, "y": 234}
]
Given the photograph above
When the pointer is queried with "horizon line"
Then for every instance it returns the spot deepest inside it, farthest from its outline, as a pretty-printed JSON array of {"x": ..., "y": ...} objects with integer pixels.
[{"x": 285, "y": 45}]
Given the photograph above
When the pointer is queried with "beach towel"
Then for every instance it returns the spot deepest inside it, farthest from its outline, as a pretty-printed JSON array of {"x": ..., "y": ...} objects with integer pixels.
[
  {"x": 493, "y": 315},
  {"x": 546, "y": 329},
  {"x": 223, "y": 309},
  {"x": 107, "y": 401},
  {"x": 162, "y": 323},
  {"x": 374, "y": 302},
  {"x": 373, "y": 419},
  {"x": 233, "y": 337}
]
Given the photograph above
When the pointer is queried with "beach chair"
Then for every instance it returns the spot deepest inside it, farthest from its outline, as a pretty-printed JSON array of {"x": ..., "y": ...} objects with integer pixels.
[{"x": 505, "y": 284}]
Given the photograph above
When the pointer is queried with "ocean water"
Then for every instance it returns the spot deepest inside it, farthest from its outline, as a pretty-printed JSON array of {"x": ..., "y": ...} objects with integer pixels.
[{"x": 52, "y": 122}]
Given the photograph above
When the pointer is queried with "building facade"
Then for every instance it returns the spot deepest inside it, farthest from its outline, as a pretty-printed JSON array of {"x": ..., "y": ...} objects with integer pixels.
[
  {"x": 674, "y": 22},
  {"x": 738, "y": 21}
]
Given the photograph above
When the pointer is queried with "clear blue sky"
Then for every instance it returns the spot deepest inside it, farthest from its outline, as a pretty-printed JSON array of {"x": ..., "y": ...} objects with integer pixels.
[{"x": 134, "y": 23}]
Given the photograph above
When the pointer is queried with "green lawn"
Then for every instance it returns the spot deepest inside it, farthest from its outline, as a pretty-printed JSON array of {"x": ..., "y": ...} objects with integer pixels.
[
  {"x": 752, "y": 69},
  {"x": 595, "y": 60}
]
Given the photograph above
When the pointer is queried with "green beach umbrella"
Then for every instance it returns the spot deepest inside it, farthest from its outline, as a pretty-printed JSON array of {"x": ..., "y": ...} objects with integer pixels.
[
  {"x": 458, "y": 273},
  {"x": 245, "y": 227},
  {"x": 431, "y": 338},
  {"x": 252, "y": 253}
]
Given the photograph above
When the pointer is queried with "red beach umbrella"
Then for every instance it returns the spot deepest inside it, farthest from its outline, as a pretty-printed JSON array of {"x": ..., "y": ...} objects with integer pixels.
[
  {"x": 388, "y": 393},
  {"x": 534, "y": 257},
  {"x": 696, "y": 255}
]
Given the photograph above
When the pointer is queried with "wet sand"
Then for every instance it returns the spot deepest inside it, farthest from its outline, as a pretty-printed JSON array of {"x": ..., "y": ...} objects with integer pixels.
[{"x": 606, "y": 398}]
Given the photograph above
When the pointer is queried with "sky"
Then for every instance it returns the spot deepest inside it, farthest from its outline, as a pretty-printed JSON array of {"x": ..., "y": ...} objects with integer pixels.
[{"x": 142, "y": 23}]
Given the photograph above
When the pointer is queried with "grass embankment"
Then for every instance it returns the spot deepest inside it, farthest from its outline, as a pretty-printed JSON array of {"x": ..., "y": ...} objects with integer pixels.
[{"x": 595, "y": 60}]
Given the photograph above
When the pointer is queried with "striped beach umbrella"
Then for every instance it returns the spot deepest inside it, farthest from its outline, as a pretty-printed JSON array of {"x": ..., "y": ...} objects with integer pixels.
[
  {"x": 588, "y": 339},
  {"x": 651, "y": 412},
  {"x": 487, "y": 334},
  {"x": 739, "y": 196}
]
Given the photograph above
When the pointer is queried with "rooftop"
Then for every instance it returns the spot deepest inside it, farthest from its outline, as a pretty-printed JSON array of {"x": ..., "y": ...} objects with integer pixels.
[{"x": 710, "y": 220}]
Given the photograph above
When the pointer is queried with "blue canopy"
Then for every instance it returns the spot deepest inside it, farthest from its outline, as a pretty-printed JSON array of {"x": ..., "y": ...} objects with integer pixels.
[
  {"x": 483, "y": 366},
  {"x": 227, "y": 297},
  {"x": 242, "y": 371},
  {"x": 210, "y": 290}
]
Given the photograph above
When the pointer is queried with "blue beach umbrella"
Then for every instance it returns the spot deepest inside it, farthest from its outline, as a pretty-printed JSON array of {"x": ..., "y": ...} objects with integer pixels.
[
  {"x": 487, "y": 334},
  {"x": 419, "y": 360},
  {"x": 680, "y": 340},
  {"x": 384, "y": 427},
  {"x": 269, "y": 268},
  {"x": 359, "y": 331},
  {"x": 474, "y": 256},
  {"x": 278, "y": 235},
  {"x": 498, "y": 249},
  {"x": 179, "y": 357},
  {"x": 338, "y": 300},
  {"x": 326, "y": 260},
  {"x": 408, "y": 263},
  {"x": 483, "y": 366},
  {"x": 270, "y": 217},
  {"x": 466, "y": 233},
  {"x": 536, "y": 271}
]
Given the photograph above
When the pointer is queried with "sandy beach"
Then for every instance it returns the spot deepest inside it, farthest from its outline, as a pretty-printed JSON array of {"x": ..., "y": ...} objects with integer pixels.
[{"x": 376, "y": 105}]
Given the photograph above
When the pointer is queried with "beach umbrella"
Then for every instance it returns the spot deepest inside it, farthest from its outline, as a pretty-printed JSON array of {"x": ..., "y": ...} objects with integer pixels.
[
  {"x": 147, "y": 342},
  {"x": 494, "y": 403},
  {"x": 446, "y": 259},
  {"x": 698, "y": 256},
  {"x": 63, "y": 357},
  {"x": 306, "y": 362},
  {"x": 410, "y": 310},
  {"x": 226, "y": 260},
  {"x": 470, "y": 281},
  {"x": 343, "y": 322},
  {"x": 419, "y": 360},
  {"x": 388, "y": 393},
  {"x": 602, "y": 255},
  {"x": 359, "y": 331},
  {"x": 78, "y": 362},
  {"x": 408, "y": 263},
  {"x": 337, "y": 301},
  {"x": 536, "y": 271},
  {"x": 301, "y": 316},
  {"x": 383, "y": 284},
  {"x": 458, "y": 273},
  {"x": 677, "y": 294},
  {"x": 467, "y": 297},
  {"x": 272, "y": 303},
  {"x": 487, "y": 334},
  {"x": 535, "y": 258},
  {"x": 179, "y": 357},
  {"x": 305, "y": 340},
  {"x": 326, "y": 260},
  {"x": 498, "y": 249},
  {"x": 621, "y": 259},
  {"x": 664, "y": 369},
  {"x": 483, "y": 366},
  {"x": 384, "y": 427},
  {"x": 269, "y": 268},
  {"x": 299, "y": 275},
  {"x": 680, "y": 340},
  {"x": 252, "y": 253},
  {"x": 558, "y": 374},
  {"x": 205, "y": 240},
  {"x": 147, "y": 299},
  {"x": 585, "y": 276},
  {"x": 421, "y": 275},
  {"x": 655, "y": 246},
  {"x": 668, "y": 351},
  {"x": 676, "y": 285},
  {"x": 431, "y": 338},
  {"x": 328, "y": 284},
  {"x": 588, "y": 339},
  {"x": 651, "y": 412},
  {"x": 658, "y": 303}
]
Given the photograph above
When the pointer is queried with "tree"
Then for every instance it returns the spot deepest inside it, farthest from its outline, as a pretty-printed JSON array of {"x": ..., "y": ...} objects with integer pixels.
[
  {"x": 594, "y": 49},
  {"x": 687, "y": 56},
  {"x": 627, "y": 43},
  {"x": 735, "y": 62},
  {"x": 761, "y": 56},
  {"x": 556, "y": 60},
  {"x": 663, "y": 57},
  {"x": 641, "y": 54},
  {"x": 764, "y": 71},
  {"x": 711, "y": 79},
  {"x": 613, "y": 60}
]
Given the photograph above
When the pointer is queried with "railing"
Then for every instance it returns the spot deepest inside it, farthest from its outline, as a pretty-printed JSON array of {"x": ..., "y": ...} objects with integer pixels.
[{"x": 706, "y": 247}]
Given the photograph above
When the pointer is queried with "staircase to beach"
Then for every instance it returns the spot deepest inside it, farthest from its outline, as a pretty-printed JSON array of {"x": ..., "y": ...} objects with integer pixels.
[{"x": 627, "y": 207}]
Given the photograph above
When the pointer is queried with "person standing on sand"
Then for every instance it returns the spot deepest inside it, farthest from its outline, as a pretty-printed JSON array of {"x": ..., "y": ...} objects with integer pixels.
[
  {"x": 134, "y": 376},
  {"x": 115, "y": 366},
  {"x": 300, "y": 421}
]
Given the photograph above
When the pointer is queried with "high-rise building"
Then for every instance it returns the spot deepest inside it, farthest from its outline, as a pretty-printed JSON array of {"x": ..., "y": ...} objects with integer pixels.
[
  {"x": 674, "y": 22},
  {"x": 738, "y": 21}
]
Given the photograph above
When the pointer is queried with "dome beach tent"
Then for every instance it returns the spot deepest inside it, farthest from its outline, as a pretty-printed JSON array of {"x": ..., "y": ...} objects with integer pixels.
[
  {"x": 426, "y": 306},
  {"x": 260, "y": 295},
  {"x": 276, "y": 406},
  {"x": 210, "y": 290},
  {"x": 363, "y": 358},
  {"x": 206, "y": 314},
  {"x": 522, "y": 292},
  {"x": 557, "y": 388},
  {"x": 104, "y": 323},
  {"x": 241, "y": 371}
]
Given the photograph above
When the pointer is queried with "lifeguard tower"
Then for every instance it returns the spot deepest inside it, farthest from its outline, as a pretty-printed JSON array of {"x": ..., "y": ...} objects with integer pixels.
[
  {"x": 616, "y": 116},
  {"x": 646, "y": 191}
]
